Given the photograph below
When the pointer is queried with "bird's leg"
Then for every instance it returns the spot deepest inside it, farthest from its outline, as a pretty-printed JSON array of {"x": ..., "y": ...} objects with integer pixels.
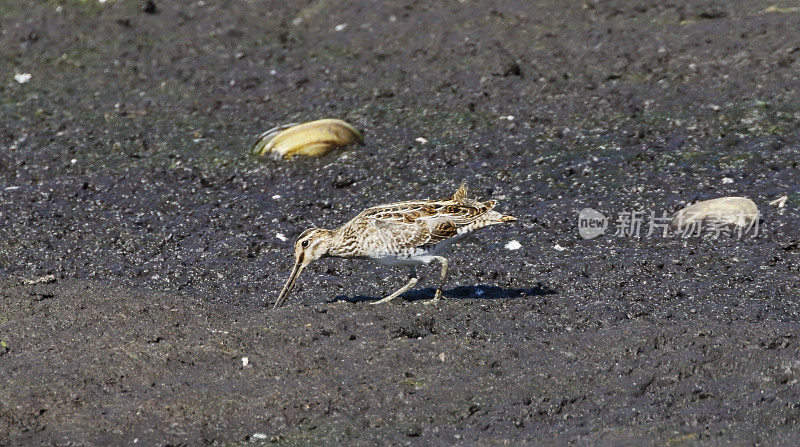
[
  {"x": 438, "y": 295},
  {"x": 412, "y": 281}
]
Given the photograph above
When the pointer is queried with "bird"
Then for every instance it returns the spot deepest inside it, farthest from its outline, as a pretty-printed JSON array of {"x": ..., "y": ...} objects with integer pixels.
[{"x": 410, "y": 233}]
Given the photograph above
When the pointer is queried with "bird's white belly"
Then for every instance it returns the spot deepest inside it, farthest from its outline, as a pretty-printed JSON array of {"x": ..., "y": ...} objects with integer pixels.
[
  {"x": 397, "y": 260},
  {"x": 409, "y": 257},
  {"x": 415, "y": 256}
]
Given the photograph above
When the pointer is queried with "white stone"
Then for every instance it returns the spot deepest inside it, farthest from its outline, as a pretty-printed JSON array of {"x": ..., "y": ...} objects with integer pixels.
[
  {"x": 22, "y": 77},
  {"x": 737, "y": 211},
  {"x": 281, "y": 236},
  {"x": 513, "y": 245}
]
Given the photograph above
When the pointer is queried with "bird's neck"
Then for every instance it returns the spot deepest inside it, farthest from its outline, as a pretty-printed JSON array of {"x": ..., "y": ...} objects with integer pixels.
[
  {"x": 330, "y": 240},
  {"x": 336, "y": 243}
]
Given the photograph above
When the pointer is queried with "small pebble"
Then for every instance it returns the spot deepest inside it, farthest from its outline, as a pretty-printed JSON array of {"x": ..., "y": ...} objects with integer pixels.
[
  {"x": 22, "y": 77},
  {"x": 245, "y": 361},
  {"x": 150, "y": 7},
  {"x": 281, "y": 236},
  {"x": 513, "y": 245},
  {"x": 421, "y": 140},
  {"x": 559, "y": 248},
  {"x": 47, "y": 279}
]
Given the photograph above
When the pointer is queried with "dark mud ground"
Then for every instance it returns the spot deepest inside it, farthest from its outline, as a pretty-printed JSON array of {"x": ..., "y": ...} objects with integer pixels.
[{"x": 124, "y": 173}]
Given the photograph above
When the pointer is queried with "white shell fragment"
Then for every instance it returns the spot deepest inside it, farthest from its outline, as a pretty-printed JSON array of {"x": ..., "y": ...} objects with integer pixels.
[
  {"x": 780, "y": 202},
  {"x": 22, "y": 77},
  {"x": 513, "y": 245},
  {"x": 315, "y": 138},
  {"x": 47, "y": 279},
  {"x": 737, "y": 211}
]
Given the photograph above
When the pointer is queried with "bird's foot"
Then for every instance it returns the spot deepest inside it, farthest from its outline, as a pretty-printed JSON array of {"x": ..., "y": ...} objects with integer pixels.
[
  {"x": 385, "y": 299},
  {"x": 411, "y": 283},
  {"x": 436, "y": 297}
]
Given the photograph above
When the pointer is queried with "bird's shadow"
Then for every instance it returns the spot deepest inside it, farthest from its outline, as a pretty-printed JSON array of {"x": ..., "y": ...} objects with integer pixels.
[{"x": 482, "y": 292}]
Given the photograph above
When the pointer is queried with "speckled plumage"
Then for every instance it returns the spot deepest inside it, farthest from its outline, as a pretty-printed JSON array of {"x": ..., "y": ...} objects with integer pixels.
[{"x": 404, "y": 233}]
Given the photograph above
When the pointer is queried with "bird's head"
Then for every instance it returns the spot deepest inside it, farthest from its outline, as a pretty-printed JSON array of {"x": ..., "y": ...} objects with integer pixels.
[{"x": 310, "y": 246}]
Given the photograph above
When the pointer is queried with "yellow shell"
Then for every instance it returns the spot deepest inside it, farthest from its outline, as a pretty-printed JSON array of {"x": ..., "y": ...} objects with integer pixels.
[{"x": 314, "y": 138}]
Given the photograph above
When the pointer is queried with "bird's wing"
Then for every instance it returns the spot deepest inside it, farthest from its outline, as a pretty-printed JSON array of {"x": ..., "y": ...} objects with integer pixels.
[
  {"x": 403, "y": 235},
  {"x": 402, "y": 222},
  {"x": 426, "y": 223},
  {"x": 453, "y": 216}
]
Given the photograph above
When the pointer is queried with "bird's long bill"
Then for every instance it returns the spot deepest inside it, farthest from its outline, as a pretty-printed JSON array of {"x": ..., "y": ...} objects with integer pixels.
[{"x": 298, "y": 267}]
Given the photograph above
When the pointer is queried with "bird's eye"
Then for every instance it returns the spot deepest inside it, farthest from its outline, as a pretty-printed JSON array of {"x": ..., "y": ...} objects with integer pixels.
[{"x": 304, "y": 244}]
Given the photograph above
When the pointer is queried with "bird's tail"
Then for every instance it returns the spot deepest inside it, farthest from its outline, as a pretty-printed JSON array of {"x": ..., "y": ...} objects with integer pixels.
[
  {"x": 508, "y": 218},
  {"x": 496, "y": 218}
]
